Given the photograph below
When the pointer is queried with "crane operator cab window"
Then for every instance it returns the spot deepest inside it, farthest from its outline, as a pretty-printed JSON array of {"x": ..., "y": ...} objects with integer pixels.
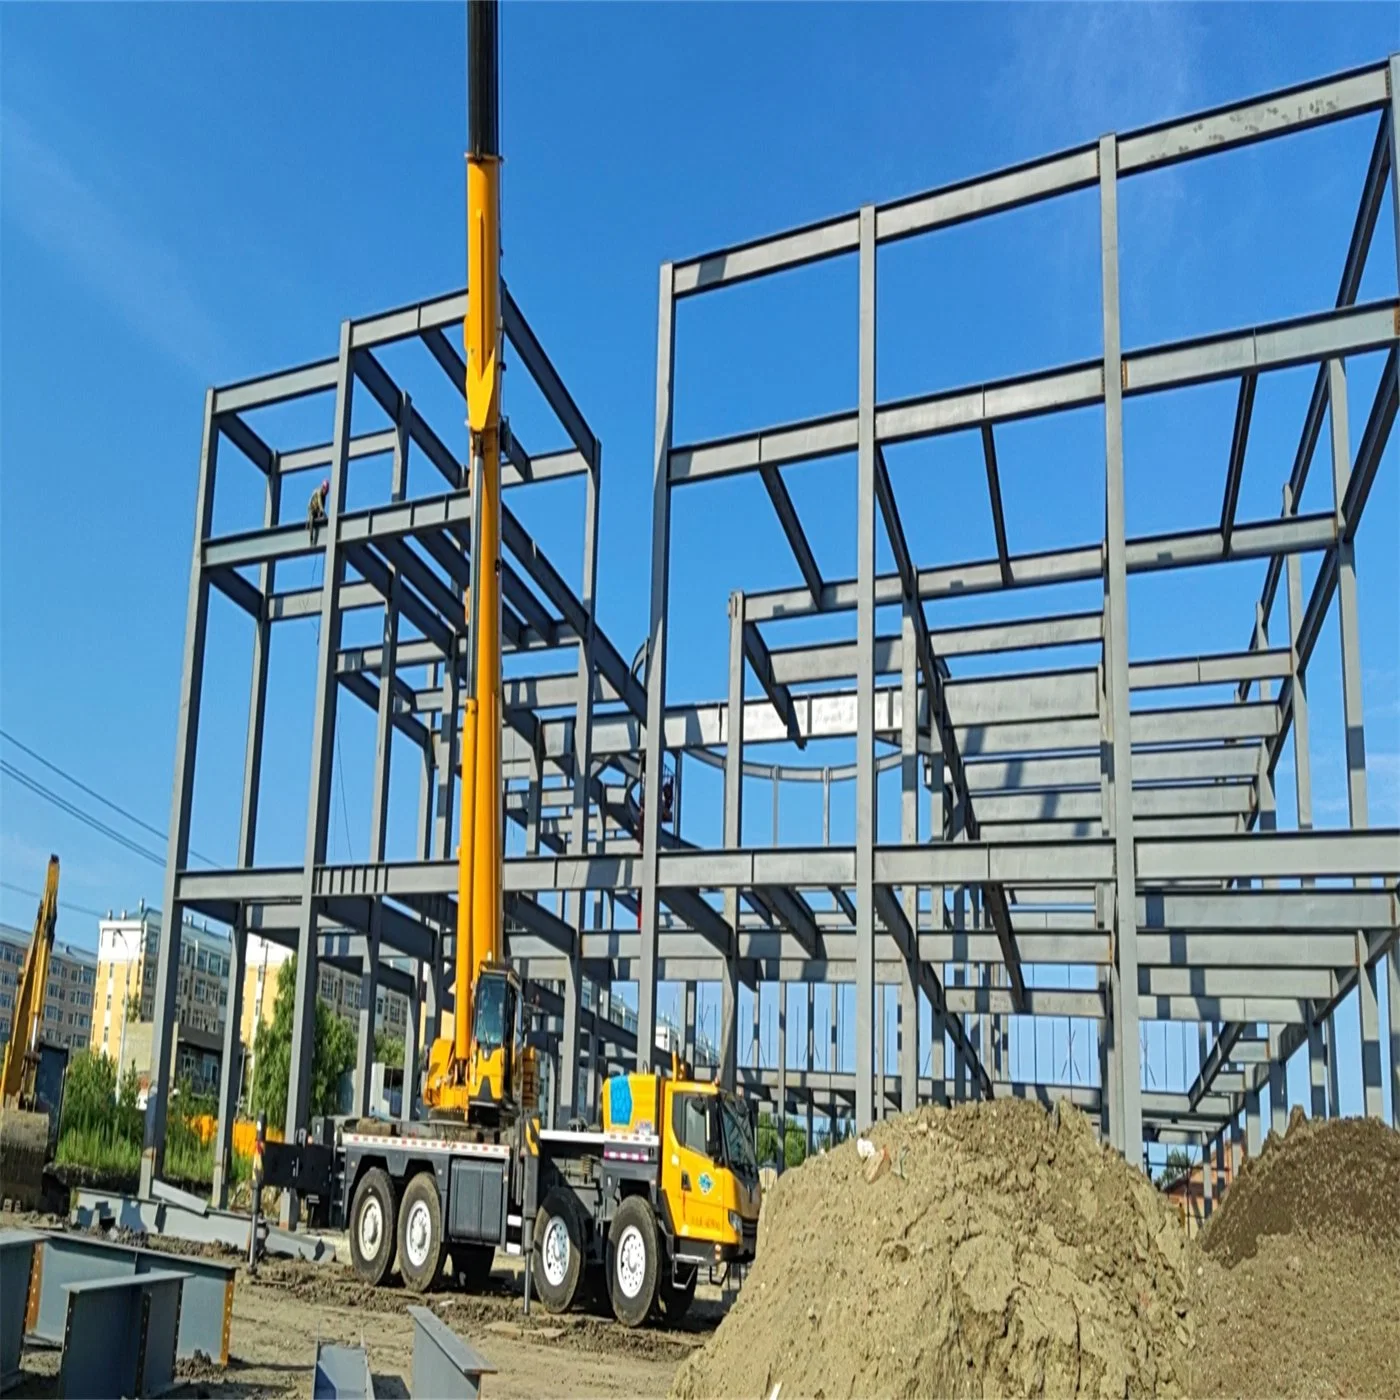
[{"x": 495, "y": 1019}]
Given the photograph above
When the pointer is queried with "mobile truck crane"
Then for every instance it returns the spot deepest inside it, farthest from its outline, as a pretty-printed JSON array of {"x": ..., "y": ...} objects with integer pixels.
[{"x": 668, "y": 1184}]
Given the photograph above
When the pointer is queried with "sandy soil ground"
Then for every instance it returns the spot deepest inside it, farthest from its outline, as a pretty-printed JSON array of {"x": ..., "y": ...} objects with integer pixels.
[{"x": 279, "y": 1317}]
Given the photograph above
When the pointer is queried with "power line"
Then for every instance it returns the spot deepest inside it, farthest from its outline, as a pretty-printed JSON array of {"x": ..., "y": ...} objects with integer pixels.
[
  {"x": 62, "y": 803},
  {"x": 91, "y": 792},
  {"x": 62, "y": 903}
]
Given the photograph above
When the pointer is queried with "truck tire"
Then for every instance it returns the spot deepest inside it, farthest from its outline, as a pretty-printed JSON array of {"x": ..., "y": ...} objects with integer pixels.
[
  {"x": 420, "y": 1233},
  {"x": 677, "y": 1298},
  {"x": 559, "y": 1251},
  {"x": 373, "y": 1226},
  {"x": 634, "y": 1261}
]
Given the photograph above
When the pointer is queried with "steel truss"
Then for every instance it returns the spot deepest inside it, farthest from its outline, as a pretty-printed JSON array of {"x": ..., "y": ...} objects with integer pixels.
[{"x": 1071, "y": 826}]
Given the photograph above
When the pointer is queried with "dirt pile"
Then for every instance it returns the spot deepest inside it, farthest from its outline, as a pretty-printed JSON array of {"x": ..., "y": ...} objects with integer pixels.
[
  {"x": 1332, "y": 1179},
  {"x": 1300, "y": 1290},
  {"x": 1001, "y": 1250}
]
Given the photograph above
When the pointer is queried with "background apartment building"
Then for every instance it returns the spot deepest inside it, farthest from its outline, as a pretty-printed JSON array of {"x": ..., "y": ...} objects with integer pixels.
[
  {"x": 126, "y": 966},
  {"x": 339, "y": 989},
  {"x": 126, "y": 982},
  {"x": 69, "y": 995},
  {"x": 126, "y": 976}
]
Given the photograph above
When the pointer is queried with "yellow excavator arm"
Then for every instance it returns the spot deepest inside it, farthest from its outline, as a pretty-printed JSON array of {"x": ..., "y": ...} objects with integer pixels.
[{"x": 17, "y": 1075}]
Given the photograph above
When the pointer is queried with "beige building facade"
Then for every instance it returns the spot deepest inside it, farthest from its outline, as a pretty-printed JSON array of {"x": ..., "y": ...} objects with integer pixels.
[{"x": 126, "y": 979}]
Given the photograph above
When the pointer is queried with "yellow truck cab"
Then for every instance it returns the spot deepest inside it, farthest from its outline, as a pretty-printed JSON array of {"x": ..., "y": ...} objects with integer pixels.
[{"x": 674, "y": 1191}]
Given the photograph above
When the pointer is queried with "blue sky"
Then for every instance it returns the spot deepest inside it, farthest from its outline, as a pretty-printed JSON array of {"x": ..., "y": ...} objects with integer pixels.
[{"x": 195, "y": 194}]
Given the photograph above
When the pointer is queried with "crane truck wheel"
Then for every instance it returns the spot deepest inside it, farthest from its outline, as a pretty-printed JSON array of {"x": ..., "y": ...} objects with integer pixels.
[
  {"x": 634, "y": 1261},
  {"x": 559, "y": 1249},
  {"x": 373, "y": 1218},
  {"x": 420, "y": 1233},
  {"x": 676, "y": 1298}
]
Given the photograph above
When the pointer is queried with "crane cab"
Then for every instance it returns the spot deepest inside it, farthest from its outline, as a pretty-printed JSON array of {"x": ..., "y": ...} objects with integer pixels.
[{"x": 499, "y": 1079}]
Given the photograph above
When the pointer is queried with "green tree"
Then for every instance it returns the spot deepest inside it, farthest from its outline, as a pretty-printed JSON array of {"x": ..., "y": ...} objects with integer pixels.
[
  {"x": 90, "y": 1091},
  {"x": 333, "y": 1053},
  {"x": 794, "y": 1142},
  {"x": 1178, "y": 1165},
  {"x": 388, "y": 1048}
]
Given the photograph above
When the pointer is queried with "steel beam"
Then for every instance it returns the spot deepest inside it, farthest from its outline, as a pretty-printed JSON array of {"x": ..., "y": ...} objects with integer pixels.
[
  {"x": 1146, "y": 554},
  {"x": 756, "y": 651},
  {"x": 444, "y": 1366},
  {"x": 1293, "y": 109},
  {"x": 1276, "y": 345}
]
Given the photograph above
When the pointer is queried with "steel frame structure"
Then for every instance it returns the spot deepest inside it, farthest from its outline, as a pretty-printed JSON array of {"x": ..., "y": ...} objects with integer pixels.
[{"x": 1071, "y": 827}]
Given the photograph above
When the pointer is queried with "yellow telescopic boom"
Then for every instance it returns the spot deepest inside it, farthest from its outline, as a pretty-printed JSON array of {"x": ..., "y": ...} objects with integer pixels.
[{"x": 479, "y": 907}]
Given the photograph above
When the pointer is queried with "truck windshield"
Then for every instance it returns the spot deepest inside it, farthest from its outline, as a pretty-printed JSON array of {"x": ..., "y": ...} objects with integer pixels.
[
  {"x": 490, "y": 1028},
  {"x": 738, "y": 1146}
]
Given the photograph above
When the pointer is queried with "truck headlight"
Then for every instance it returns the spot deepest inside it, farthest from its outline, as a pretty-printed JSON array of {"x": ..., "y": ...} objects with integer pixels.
[{"x": 736, "y": 1222}]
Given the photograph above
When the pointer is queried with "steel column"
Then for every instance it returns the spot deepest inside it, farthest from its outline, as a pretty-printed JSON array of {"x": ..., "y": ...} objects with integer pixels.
[
  {"x": 379, "y": 800},
  {"x": 1317, "y": 1070},
  {"x": 649, "y": 910},
  {"x": 178, "y": 847},
  {"x": 574, "y": 912},
  {"x": 1393, "y": 978},
  {"x": 412, "y": 1038},
  {"x": 1251, "y": 1122},
  {"x": 1349, "y": 634},
  {"x": 1125, "y": 967},
  {"x": 733, "y": 838},
  {"x": 231, "y": 1065},
  {"x": 865, "y": 680},
  {"x": 230, "y": 1083},
  {"x": 1207, "y": 1186},
  {"x": 322, "y": 768},
  {"x": 1278, "y": 1094},
  {"x": 909, "y": 834},
  {"x": 810, "y": 1061},
  {"x": 783, "y": 989}
]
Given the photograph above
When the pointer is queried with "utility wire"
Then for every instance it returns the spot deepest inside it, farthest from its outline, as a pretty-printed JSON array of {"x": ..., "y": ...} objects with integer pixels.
[
  {"x": 10, "y": 771},
  {"x": 62, "y": 903},
  {"x": 105, "y": 801}
]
